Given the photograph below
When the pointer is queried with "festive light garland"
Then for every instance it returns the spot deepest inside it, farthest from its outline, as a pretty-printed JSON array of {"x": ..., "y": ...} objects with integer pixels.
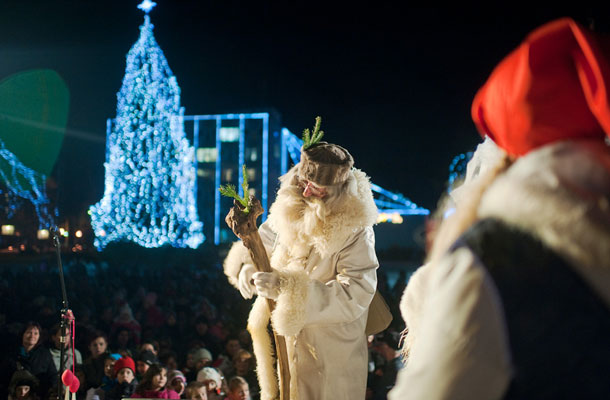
[
  {"x": 149, "y": 195},
  {"x": 17, "y": 190}
]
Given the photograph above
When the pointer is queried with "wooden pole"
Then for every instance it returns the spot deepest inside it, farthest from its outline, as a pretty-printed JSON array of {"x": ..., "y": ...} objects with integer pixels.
[{"x": 244, "y": 226}]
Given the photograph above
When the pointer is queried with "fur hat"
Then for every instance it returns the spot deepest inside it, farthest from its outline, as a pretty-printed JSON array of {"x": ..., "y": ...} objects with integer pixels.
[
  {"x": 201, "y": 354},
  {"x": 176, "y": 374},
  {"x": 124, "y": 362},
  {"x": 209, "y": 373},
  {"x": 325, "y": 164}
]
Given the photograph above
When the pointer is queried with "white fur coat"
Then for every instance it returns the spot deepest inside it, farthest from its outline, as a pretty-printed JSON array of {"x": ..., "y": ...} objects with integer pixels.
[{"x": 327, "y": 281}]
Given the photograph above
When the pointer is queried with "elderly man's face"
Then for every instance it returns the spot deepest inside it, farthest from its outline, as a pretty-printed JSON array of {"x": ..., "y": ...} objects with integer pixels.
[{"x": 310, "y": 189}]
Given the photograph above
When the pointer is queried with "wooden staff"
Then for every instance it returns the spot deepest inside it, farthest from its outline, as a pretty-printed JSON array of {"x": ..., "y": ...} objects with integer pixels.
[{"x": 244, "y": 226}]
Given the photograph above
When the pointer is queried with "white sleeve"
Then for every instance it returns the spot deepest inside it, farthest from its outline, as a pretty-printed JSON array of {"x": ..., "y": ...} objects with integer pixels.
[
  {"x": 348, "y": 296},
  {"x": 461, "y": 350}
]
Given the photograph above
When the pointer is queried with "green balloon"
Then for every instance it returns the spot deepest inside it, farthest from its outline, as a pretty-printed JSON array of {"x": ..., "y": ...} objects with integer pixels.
[{"x": 33, "y": 114}]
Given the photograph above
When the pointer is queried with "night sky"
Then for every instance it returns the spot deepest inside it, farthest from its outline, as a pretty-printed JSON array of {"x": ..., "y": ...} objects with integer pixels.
[{"x": 392, "y": 85}]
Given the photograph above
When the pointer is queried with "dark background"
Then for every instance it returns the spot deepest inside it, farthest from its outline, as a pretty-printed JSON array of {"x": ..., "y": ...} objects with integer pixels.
[{"x": 393, "y": 82}]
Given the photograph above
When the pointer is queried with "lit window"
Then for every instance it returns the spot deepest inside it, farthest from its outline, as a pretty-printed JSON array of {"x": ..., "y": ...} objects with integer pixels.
[
  {"x": 229, "y": 134},
  {"x": 252, "y": 154},
  {"x": 8, "y": 230},
  {"x": 227, "y": 175},
  {"x": 251, "y": 174},
  {"x": 204, "y": 173},
  {"x": 206, "y": 154},
  {"x": 43, "y": 234}
]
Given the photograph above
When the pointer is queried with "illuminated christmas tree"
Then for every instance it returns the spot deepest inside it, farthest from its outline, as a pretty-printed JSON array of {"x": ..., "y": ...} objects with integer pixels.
[{"x": 149, "y": 195}]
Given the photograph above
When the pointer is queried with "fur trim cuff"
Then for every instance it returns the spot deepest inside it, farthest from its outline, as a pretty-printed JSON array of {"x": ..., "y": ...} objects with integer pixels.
[
  {"x": 289, "y": 315},
  {"x": 263, "y": 349},
  {"x": 237, "y": 256}
]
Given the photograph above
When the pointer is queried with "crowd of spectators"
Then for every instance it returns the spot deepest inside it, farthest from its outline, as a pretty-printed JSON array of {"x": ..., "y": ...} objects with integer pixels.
[{"x": 138, "y": 325}]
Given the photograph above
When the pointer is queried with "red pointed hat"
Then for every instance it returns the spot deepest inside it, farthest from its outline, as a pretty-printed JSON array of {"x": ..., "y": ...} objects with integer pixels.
[{"x": 554, "y": 86}]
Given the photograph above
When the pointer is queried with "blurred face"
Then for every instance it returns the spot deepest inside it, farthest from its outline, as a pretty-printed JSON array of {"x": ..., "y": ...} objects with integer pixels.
[
  {"x": 201, "y": 328},
  {"x": 141, "y": 367},
  {"x": 190, "y": 362},
  {"x": 159, "y": 380},
  {"x": 178, "y": 386},
  {"x": 31, "y": 337},
  {"x": 171, "y": 363},
  {"x": 57, "y": 340},
  {"x": 200, "y": 394},
  {"x": 98, "y": 346},
  {"x": 210, "y": 385},
  {"x": 22, "y": 391},
  {"x": 123, "y": 338},
  {"x": 233, "y": 347},
  {"x": 148, "y": 347},
  {"x": 125, "y": 375},
  {"x": 109, "y": 368},
  {"x": 242, "y": 365},
  {"x": 240, "y": 393}
]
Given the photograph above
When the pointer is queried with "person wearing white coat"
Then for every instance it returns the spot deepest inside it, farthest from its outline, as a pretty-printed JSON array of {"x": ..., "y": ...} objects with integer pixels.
[
  {"x": 515, "y": 299},
  {"x": 321, "y": 244}
]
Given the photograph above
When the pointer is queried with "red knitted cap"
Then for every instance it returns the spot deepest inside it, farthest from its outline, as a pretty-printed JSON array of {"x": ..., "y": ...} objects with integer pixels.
[
  {"x": 124, "y": 362},
  {"x": 552, "y": 87}
]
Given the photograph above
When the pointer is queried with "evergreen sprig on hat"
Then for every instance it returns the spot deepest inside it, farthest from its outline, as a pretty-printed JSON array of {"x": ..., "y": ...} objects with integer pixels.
[{"x": 311, "y": 139}]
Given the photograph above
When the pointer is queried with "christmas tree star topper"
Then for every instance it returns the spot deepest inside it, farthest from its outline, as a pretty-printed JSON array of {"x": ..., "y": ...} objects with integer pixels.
[{"x": 147, "y": 5}]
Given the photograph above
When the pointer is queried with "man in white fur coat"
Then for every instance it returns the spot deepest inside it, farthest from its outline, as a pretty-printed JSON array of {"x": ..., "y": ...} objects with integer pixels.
[{"x": 321, "y": 245}]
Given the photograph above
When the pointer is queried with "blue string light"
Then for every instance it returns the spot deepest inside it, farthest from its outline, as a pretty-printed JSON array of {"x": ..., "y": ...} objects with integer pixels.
[
  {"x": 149, "y": 195},
  {"x": 23, "y": 183}
]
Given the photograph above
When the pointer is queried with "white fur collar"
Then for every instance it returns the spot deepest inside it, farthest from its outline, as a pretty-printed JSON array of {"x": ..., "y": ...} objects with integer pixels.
[
  {"x": 356, "y": 211},
  {"x": 561, "y": 194}
]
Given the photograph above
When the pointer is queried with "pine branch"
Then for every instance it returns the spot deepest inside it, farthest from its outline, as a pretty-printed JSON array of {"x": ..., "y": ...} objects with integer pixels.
[
  {"x": 311, "y": 139},
  {"x": 228, "y": 190}
]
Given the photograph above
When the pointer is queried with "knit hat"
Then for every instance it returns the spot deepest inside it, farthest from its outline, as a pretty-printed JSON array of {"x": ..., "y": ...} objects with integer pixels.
[
  {"x": 325, "y": 164},
  {"x": 148, "y": 357},
  {"x": 552, "y": 87},
  {"x": 124, "y": 362},
  {"x": 209, "y": 373},
  {"x": 202, "y": 354},
  {"x": 176, "y": 374}
]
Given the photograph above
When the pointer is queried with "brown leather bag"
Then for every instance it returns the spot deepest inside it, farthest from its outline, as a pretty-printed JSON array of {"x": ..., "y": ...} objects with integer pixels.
[{"x": 379, "y": 317}]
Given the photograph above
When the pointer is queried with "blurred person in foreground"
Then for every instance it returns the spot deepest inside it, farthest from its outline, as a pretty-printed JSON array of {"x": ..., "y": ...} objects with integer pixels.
[{"x": 517, "y": 303}]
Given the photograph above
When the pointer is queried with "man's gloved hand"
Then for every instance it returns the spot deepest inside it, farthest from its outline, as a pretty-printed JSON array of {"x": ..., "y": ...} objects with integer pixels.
[
  {"x": 244, "y": 281},
  {"x": 267, "y": 284}
]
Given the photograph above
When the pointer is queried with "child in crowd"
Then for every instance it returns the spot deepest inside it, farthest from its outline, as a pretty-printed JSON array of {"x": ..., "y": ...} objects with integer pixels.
[
  {"x": 23, "y": 386},
  {"x": 238, "y": 389},
  {"x": 153, "y": 385},
  {"x": 125, "y": 370},
  {"x": 213, "y": 382},
  {"x": 199, "y": 358},
  {"x": 245, "y": 365},
  {"x": 176, "y": 381},
  {"x": 196, "y": 391},
  {"x": 144, "y": 361}
]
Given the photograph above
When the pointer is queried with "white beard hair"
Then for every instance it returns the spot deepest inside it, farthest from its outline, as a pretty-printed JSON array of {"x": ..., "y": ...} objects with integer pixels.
[{"x": 314, "y": 215}]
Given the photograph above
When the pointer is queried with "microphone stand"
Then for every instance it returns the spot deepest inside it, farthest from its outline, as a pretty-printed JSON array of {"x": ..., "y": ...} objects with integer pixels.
[{"x": 66, "y": 315}]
